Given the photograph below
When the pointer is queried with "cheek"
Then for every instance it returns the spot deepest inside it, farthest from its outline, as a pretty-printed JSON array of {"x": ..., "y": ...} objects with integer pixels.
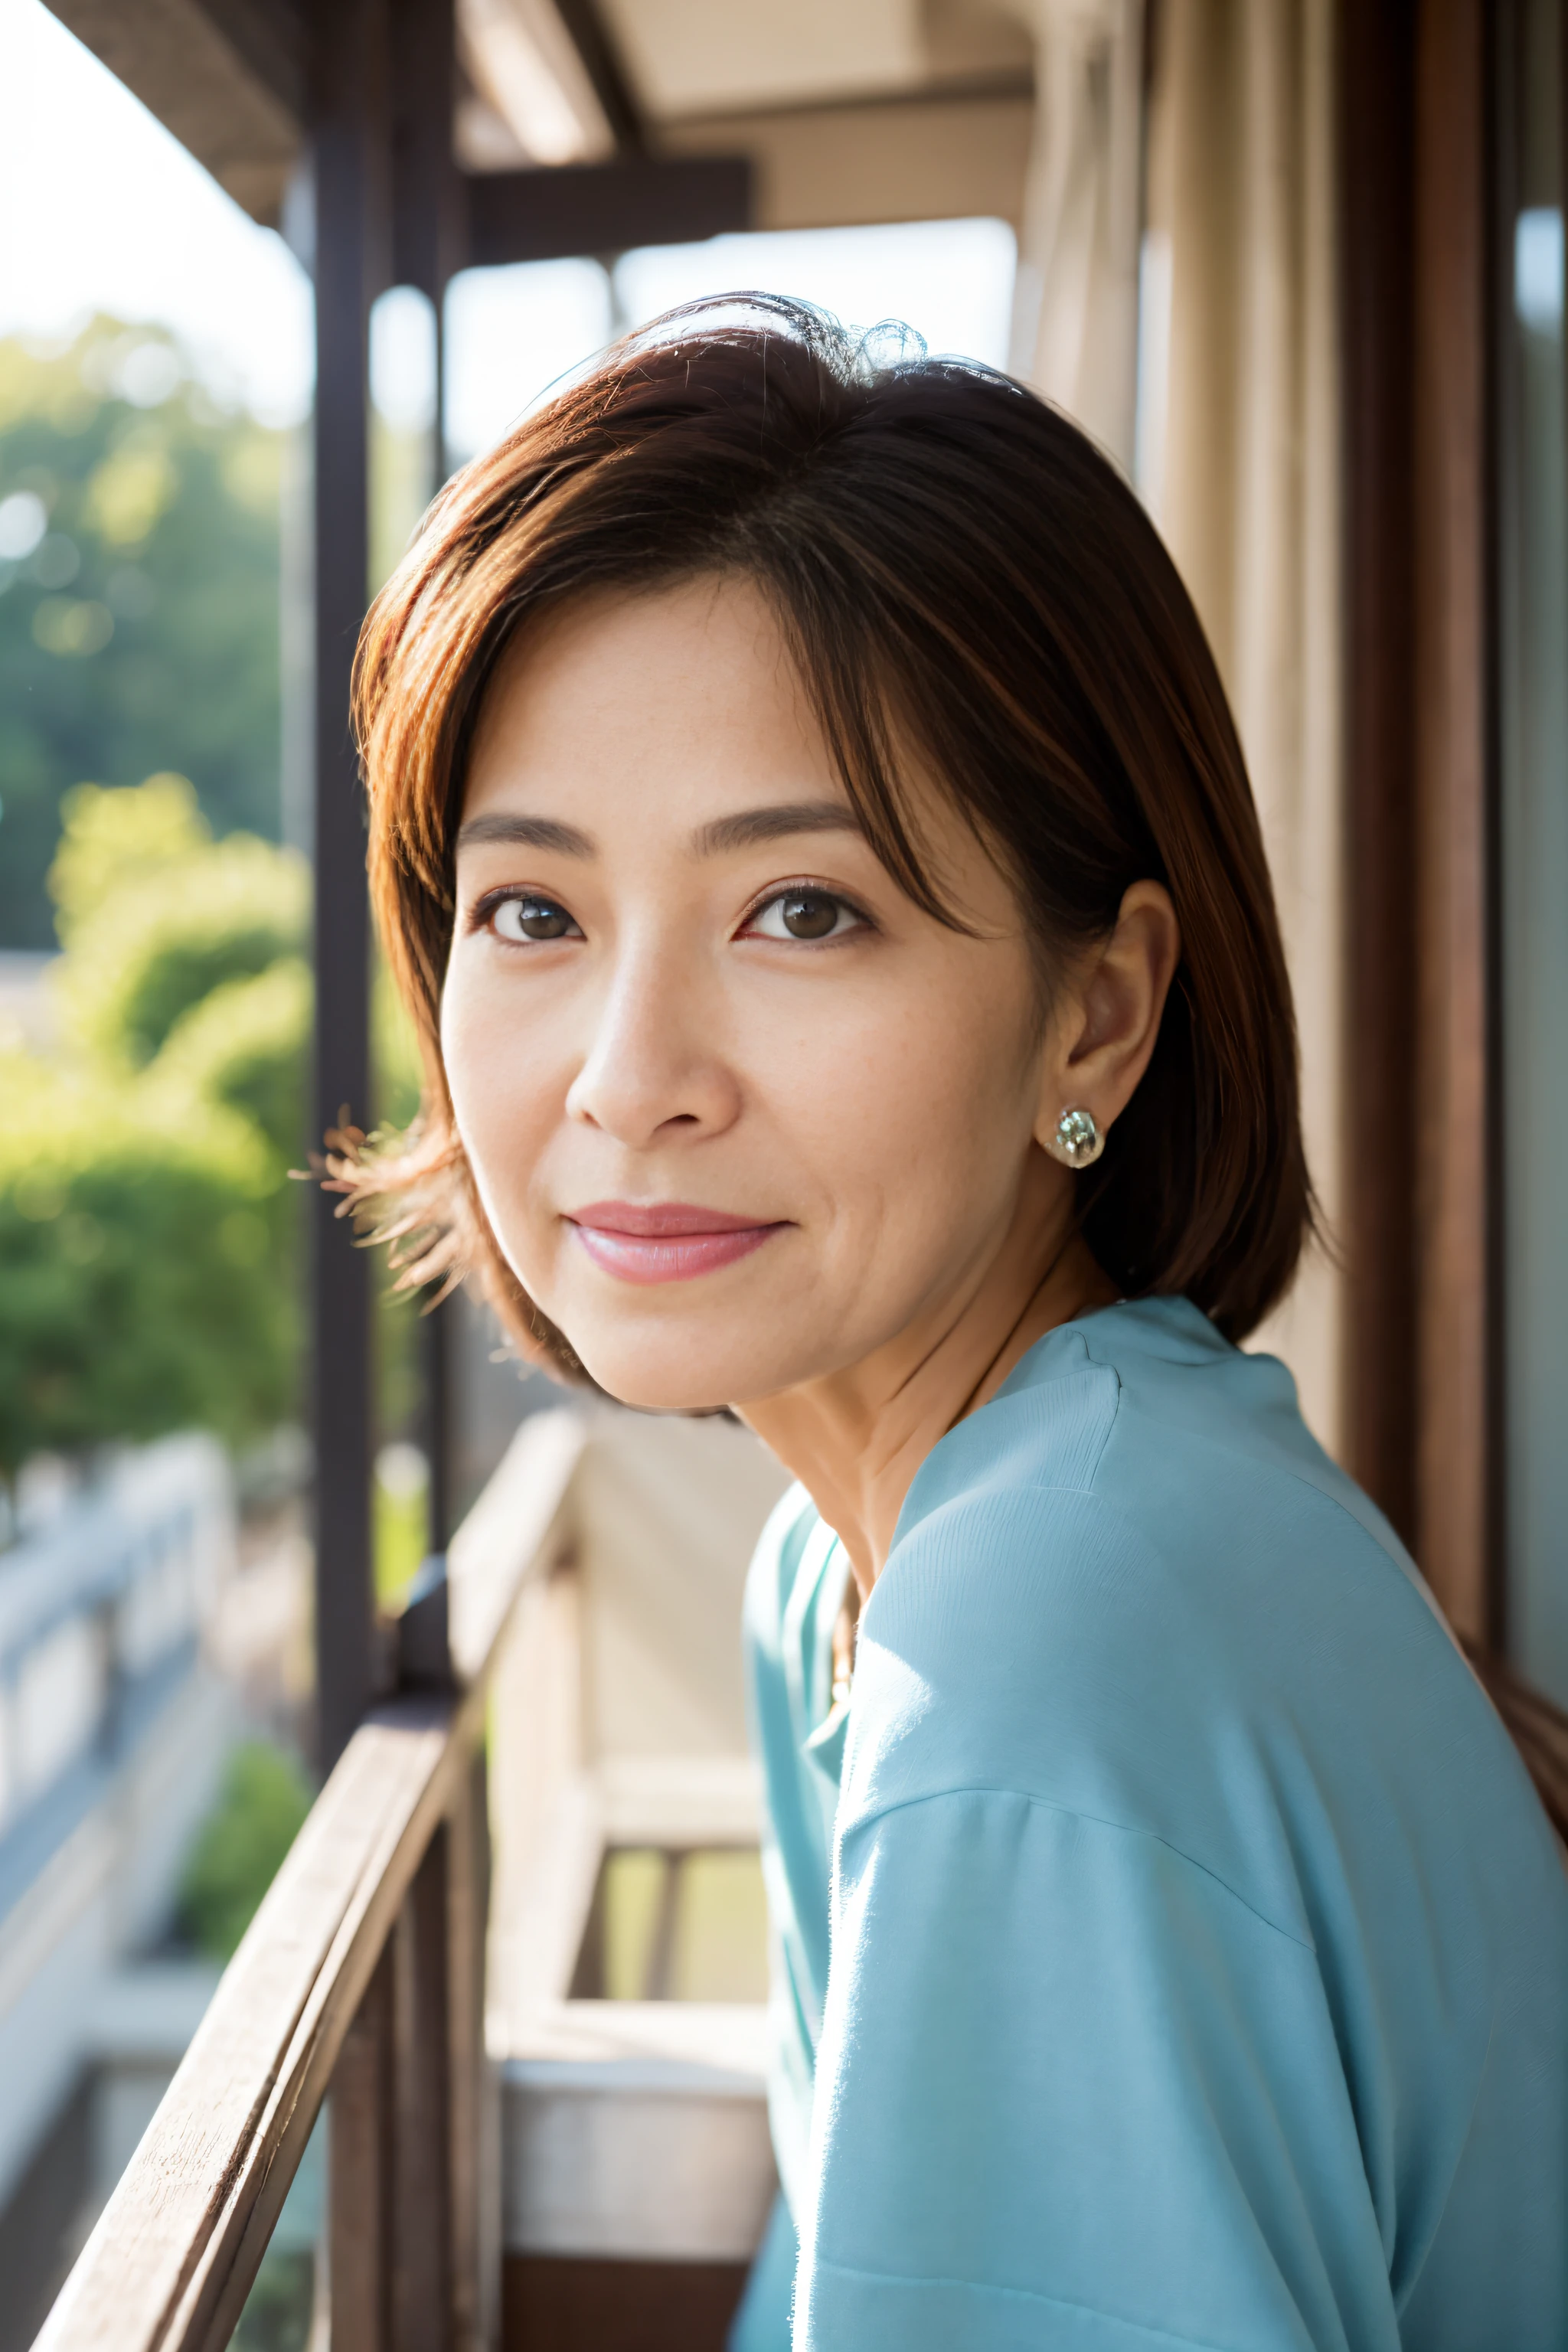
[
  {"x": 917, "y": 1116},
  {"x": 505, "y": 1097}
]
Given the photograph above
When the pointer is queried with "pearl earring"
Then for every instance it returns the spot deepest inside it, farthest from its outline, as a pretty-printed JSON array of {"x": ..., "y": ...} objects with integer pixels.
[{"x": 1077, "y": 1141}]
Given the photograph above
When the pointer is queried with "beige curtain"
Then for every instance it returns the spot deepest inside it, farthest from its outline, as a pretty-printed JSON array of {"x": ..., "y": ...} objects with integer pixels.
[
  {"x": 1237, "y": 455},
  {"x": 1075, "y": 315}
]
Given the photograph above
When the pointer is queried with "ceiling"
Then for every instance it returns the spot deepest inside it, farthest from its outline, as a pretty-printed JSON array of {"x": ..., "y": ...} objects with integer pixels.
[
  {"x": 690, "y": 58},
  {"x": 850, "y": 110}
]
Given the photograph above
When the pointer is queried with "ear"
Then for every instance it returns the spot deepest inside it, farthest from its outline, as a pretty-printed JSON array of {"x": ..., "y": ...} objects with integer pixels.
[{"x": 1109, "y": 1012}]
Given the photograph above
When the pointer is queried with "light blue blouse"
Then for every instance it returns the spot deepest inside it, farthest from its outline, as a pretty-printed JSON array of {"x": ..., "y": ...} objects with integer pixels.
[{"x": 1169, "y": 1948}]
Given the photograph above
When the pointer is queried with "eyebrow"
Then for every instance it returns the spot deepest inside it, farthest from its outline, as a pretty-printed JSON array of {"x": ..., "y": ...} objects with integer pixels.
[
  {"x": 750, "y": 827},
  {"x": 746, "y": 830},
  {"x": 527, "y": 833}
]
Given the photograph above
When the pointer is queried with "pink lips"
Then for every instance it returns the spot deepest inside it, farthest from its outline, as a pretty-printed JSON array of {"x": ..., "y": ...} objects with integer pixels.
[{"x": 668, "y": 1242}]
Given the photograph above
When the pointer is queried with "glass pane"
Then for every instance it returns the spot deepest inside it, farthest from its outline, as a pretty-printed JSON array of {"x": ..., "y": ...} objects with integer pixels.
[
  {"x": 1533, "y": 592},
  {"x": 676, "y": 1925}
]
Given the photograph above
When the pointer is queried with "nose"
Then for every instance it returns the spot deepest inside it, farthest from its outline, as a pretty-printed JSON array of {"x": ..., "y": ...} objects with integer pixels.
[{"x": 654, "y": 1070}]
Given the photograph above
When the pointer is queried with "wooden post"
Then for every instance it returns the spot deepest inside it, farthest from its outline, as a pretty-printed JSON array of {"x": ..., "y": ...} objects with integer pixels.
[
  {"x": 360, "y": 2156},
  {"x": 408, "y": 2247},
  {"x": 349, "y": 164},
  {"x": 421, "y": 2250},
  {"x": 474, "y": 2163},
  {"x": 429, "y": 221}
]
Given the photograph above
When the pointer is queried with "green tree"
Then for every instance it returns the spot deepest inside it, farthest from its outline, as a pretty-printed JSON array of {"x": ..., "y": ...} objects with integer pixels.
[
  {"x": 246, "y": 1045},
  {"x": 144, "y": 1261},
  {"x": 149, "y": 1236},
  {"x": 139, "y": 596},
  {"x": 158, "y": 942}
]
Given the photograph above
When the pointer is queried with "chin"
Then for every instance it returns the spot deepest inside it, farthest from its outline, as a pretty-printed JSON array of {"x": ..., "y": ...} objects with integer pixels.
[
  {"x": 662, "y": 1372},
  {"x": 653, "y": 1380}
]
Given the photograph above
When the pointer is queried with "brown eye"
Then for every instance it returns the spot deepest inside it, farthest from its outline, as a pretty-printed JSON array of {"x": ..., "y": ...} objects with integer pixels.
[
  {"x": 522, "y": 919},
  {"x": 801, "y": 914},
  {"x": 809, "y": 914}
]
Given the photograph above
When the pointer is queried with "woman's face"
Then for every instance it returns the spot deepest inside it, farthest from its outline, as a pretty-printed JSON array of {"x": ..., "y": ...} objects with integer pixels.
[{"x": 739, "y": 1113}]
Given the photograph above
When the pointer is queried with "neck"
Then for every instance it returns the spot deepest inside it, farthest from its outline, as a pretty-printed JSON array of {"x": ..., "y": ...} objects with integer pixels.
[{"x": 855, "y": 1438}]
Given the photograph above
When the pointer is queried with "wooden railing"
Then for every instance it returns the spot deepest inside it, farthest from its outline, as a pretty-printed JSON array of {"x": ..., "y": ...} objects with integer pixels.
[{"x": 361, "y": 1975}]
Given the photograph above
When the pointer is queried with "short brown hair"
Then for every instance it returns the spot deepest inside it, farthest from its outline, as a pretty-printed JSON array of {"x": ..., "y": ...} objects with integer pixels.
[{"x": 956, "y": 567}]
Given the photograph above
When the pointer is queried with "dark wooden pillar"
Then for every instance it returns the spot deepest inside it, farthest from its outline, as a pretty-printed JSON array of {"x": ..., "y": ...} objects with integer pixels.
[
  {"x": 1422, "y": 1163},
  {"x": 429, "y": 218},
  {"x": 1459, "y": 1143},
  {"x": 363, "y": 2138},
  {"x": 1377, "y": 214},
  {"x": 350, "y": 154}
]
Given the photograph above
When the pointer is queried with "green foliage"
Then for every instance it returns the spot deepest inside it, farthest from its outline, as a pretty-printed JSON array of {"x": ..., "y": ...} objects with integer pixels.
[
  {"x": 139, "y": 1269},
  {"x": 149, "y": 1238},
  {"x": 236, "y": 1857},
  {"x": 112, "y": 838},
  {"x": 142, "y": 633},
  {"x": 246, "y": 1045},
  {"x": 401, "y": 1534},
  {"x": 158, "y": 946}
]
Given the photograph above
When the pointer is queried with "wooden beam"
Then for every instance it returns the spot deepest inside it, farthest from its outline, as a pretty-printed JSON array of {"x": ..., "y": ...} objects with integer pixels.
[
  {"x": 543, "y": 214},
  {"x": 226, "y": 77},
  {"x": 606, "y": 72},
  {"x": 428, "y": 219},
  {"x": 268, "y": 37},
  {"x": 940, "y": 156}
]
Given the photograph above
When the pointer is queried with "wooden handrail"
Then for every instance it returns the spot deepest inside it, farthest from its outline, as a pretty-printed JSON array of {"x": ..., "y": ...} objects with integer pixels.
[{"x": 367, "y": 1953}]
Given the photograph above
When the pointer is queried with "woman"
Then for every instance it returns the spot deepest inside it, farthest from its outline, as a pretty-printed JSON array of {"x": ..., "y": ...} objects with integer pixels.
[{"x": 810, "y": 835}]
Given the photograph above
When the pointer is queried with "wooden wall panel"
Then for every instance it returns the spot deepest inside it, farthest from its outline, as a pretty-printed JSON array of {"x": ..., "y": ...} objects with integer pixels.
[
  {"x": 555, "y": 2302},
  {"x": 1422, "y": 1356},
  {"x": 1457, "y": 1157},
  {"x": 1377, "y": 204}
]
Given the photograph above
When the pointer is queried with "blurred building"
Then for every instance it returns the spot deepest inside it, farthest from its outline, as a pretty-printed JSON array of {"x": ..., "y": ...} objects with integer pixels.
[{"x": 113, "y": 1731}]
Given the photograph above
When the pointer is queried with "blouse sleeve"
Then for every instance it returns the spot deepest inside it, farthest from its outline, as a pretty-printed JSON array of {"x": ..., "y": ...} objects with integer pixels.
[{"x": 1074, "y": 2093}]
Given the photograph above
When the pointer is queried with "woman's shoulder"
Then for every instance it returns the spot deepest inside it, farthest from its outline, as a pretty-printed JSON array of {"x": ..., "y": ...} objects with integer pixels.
[
  {"x": 1133, "y": 1588},
  {"x": 1142, "y": 1405},
  {"x": 1140, "y": 1491},
  {"x": 1136, "y": 1429}
]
